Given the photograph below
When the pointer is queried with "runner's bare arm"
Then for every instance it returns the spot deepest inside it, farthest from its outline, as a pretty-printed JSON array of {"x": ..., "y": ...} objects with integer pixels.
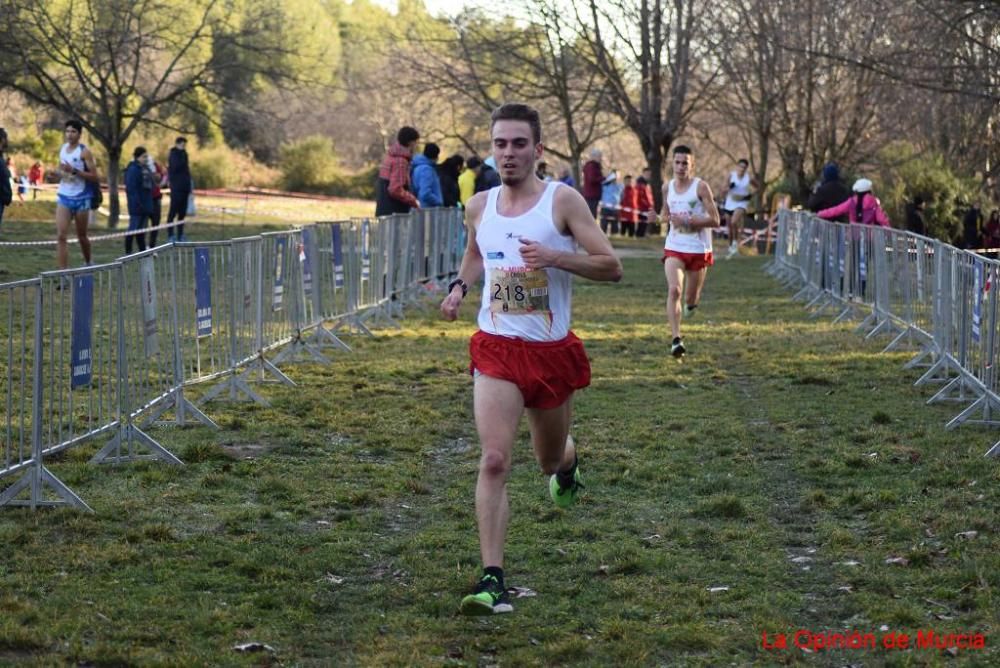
[
  {"x": 472, "y": 261},
  {"x": 90, "y": 166},
  {"x": 599, "y": 264},
  {"x": 711, "y": 217}
]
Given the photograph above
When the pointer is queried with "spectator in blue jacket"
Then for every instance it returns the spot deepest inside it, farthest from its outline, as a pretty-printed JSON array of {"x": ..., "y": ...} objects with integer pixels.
[
  {"x": 139, "y": 192},
  {"x": 424, "y": 177}
]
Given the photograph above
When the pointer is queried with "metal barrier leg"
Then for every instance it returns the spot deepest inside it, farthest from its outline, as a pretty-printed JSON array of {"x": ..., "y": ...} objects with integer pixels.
[
  {"x": 182, "y": 406},
  {"x": 324, "y": 338},
  {"x": 919, "y": 360},
  {"x": 237, "y": 387},
  {"x": 961, "y": 384},
  {"x": 987, "y": 403},
  {"x": 263, "y": 366},
  {"x": 300, "y": 346},
  {"x": 111, "y": 453},
  {"x": 380, "y": 314},
  {"x": 937, "y": 373},
  {"x": 351, "y": 323},
  {"x": 36, "y": 479}
]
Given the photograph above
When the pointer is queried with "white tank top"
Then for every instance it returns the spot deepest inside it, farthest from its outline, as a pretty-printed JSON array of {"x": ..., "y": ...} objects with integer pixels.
[
  {"x": 738, "y": 196},
  {"x": 533, "y": 305},
  {"x": 687, "y": 203},
  {"x": 70, "y": 185}
]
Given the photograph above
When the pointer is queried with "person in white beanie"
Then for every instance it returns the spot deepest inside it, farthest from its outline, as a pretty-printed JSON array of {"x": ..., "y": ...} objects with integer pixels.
[{"x": 861, "y": 208}]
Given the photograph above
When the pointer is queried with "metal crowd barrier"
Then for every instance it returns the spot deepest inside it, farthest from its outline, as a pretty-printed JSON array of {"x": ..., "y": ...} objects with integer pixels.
[
  {"x": 105, "y": 351},
  {"x": 924, "y": 293}
]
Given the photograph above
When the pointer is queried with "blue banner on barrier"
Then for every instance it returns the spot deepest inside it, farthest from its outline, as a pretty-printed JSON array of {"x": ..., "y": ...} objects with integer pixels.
[
  {"x": 83, "y": 316},
  {"x": 203, "y": 291},
  {"x": 279, "y": 277},
  {"x": 977, "y": 300},
  {"x": 305, "y": 252},
  {"x": 338, "y": 257}
]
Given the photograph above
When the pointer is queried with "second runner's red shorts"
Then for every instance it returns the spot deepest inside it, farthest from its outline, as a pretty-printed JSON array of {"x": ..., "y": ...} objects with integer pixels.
[
  {"x": 546, "y": 372},
  {"x": 692, "y": 261}
]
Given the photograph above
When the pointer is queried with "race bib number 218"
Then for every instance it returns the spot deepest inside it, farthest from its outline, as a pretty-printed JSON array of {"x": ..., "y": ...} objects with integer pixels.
[{"x": 519, "y": 292}]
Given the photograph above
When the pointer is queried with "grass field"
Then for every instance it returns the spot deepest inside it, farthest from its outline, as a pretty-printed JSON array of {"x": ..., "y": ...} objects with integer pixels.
[{"x": 783, "y": 477}]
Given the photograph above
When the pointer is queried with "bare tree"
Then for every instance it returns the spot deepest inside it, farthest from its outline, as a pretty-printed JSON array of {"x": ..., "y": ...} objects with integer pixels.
[
  {"x": 650, "y": 57},
  {"x": 116, "y": 64},
  {"x": 486, "y": 62}
]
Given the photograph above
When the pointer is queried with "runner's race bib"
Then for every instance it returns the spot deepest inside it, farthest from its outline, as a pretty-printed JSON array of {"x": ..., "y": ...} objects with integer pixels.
[{"x": 519, "y": 292}]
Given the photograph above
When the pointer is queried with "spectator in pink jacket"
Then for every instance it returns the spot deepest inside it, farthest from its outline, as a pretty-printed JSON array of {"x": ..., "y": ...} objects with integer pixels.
[{"x": 861, "y": 208}]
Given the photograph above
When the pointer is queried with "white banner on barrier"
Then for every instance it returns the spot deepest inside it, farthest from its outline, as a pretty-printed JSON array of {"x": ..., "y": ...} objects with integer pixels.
[
  {"x": 920, "y": 270},
  {"x": 147, "y": 282},
  {"x": 247, "y": 276},
  {"x": 279, "y": 278}
]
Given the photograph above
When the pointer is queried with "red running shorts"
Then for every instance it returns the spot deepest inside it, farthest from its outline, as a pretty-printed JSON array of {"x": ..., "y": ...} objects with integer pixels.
[
  {"x": 692, "y": 261},
  {"x": 546, "y": 372}
]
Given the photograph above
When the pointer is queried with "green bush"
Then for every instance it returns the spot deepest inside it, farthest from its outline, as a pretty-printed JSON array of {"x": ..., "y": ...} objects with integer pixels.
[
  {"x": 308, "y": 165},
  {"x": 218, "y": 166},
  {"x": 906, "y": 173},
  {"x": 360, "y": 185}
]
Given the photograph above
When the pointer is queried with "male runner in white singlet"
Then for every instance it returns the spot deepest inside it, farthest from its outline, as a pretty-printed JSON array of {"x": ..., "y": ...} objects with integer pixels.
[
  {"x": 77, "y": 167},
  {"x": 524, "y": 235},
  {"x": 738, "y": 191},
  {"x": 689, "y": 209}
]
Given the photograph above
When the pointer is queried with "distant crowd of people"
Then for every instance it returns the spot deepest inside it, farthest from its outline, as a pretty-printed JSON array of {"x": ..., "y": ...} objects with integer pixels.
[
  {"x": 79, "y": 193},
  {"x": 832, "y": 200}
]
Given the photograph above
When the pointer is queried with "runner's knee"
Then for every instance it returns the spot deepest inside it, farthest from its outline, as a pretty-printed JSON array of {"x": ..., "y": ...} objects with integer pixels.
[
  {"x": 675, "y": 292},
  {"x": 494, "y": 463}
]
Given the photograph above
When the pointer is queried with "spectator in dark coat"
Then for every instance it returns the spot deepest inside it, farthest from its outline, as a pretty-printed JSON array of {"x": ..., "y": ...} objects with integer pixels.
[
  {"x": 915, "y": 216},
  {"x": 448, "y": 172},
  {"x": 831, "y": 192},
  {"x": 6, "y": 192},
  {"x": 487, "y": 177},
  {"x": 593, "y": 178},
  {"x": 139, "y": 192},
  {"x": 179, "y": 177},
  {"x": 991, "y": 233},
  {"x": 971, "y": 224}
]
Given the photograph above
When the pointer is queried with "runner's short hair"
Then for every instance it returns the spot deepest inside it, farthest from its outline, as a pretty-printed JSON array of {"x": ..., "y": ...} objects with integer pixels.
[
  {"x": 75, "y": 124},
  {"x": 515, "y": 111},
  {"x": 682, "y": 149}
]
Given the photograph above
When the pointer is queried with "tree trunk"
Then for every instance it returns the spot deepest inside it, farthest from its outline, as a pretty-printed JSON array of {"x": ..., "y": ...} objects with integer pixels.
[
  {"x": 114, "y": 172},
  {"x": 762, "y": 206},
  {"x": 654, "y": 160},
  {"x": 574, "y": 165}
]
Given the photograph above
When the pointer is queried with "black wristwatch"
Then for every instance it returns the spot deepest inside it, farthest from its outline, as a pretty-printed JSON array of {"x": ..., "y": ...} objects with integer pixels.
[{"x": 458, "y": 281}]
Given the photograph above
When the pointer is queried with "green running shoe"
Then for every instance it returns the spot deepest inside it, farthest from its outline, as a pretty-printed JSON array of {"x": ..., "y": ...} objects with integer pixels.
[
  {"x": 562, "y": 493},
  {"x": 488, "y": 598}
]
